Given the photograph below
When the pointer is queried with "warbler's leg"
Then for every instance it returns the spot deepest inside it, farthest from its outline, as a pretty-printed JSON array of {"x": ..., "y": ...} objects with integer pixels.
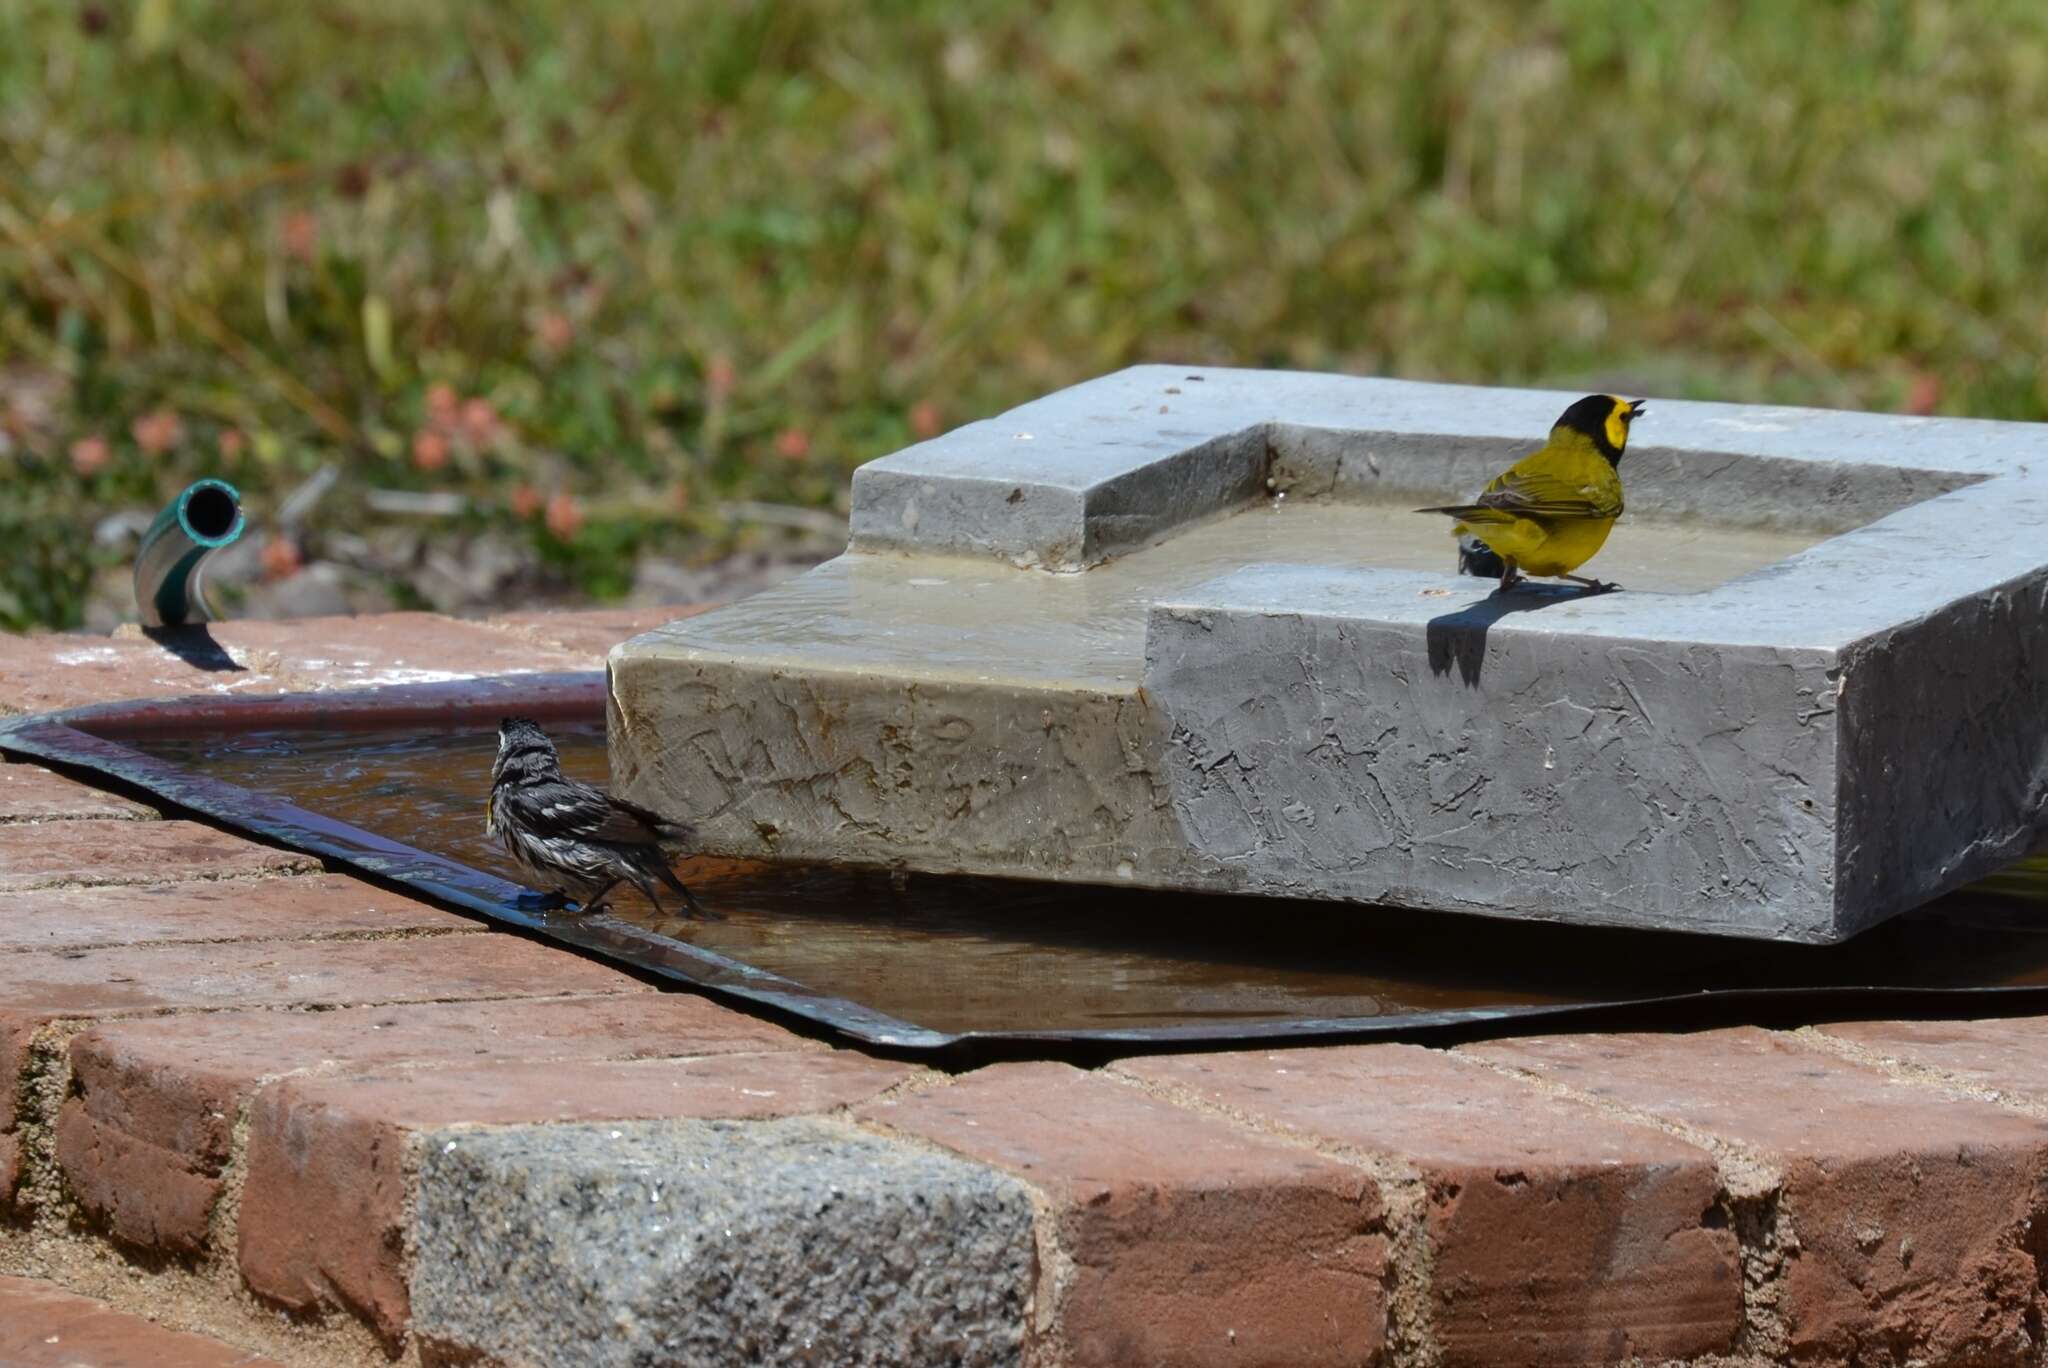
[
  {"x": 1593, "y": 585},
  {"x": 595, "y": 902},
  {"x": 1510, "y": 575},
  {"x": 690, "y": 900},
  {"x": 646, "y": 885}
]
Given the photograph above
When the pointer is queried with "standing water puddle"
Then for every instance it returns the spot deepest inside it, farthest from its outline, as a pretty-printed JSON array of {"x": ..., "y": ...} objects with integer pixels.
[{"x": 980, "y": 955}]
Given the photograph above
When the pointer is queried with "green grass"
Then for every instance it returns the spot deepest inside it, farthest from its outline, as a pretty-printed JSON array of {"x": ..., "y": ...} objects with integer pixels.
[{"x": 292, "y": 220}]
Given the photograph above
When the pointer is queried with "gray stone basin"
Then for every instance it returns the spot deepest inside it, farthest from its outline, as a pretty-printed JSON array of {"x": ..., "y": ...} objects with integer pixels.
[{"x": 1178, "y": 628}]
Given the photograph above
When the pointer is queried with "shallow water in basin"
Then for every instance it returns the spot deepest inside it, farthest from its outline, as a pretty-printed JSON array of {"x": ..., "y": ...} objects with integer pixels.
[
  {"x": 983, "y": 619},
  {"x": 976, "y": 954}
]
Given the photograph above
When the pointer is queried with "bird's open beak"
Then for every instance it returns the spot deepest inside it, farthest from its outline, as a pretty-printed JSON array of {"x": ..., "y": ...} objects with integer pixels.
[{"x": 1635, "y": 410}]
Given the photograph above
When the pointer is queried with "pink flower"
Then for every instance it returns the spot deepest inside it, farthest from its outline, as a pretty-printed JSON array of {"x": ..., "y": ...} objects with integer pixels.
[
  {"x": 232, "y": 443},
  {"x": 479, "y": 421},
  {"x": 299, "y": 234},
  {"x": 720, "y": 377},
  {"x": 525, "y": 500},
  {"x": 924, "y": 419},
  {"x": 554, "y": 332},
  {"x": 429, "y": 450},
  {"x": 444, "y": 405},
  {"x": 1924, "y": 393},
  {"x": 157, "y": 431},
  {"x": 91, "y": 454},
  {"x": 281, "y": 558},
  {"x": 564, "y": 517},
  {"x": 793, "y": 444}
]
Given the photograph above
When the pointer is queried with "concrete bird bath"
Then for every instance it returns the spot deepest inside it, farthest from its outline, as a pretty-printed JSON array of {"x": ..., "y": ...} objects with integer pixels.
[{"x": 1177, "y": 628}]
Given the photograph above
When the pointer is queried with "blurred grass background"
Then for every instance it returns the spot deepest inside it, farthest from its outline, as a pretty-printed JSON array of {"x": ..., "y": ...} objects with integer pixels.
[{"x": 601, "y": 277}]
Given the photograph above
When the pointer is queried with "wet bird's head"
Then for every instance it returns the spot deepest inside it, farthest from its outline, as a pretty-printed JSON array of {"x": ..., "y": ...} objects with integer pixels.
[
  {"x": 523, "y": 750},
  {"x": 1604, "y": 420}
]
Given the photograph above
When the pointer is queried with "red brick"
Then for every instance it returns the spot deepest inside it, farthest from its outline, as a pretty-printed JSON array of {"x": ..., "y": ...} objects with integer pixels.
[
  {"x": 44, "y": 1326},
  {"x": 1915, "y": 1213},
  {"x": 145, "y": 1138},
  {"x": 16, "y": 1031},
  {"x": 320, "y": 905},
  {"x": 593, "y": 633},
  {"x": 1559, "y": 1237},
  {"x": 30, "y": 793},
  {"x": 1193, "y": 1241},
  {"x": 126, "y": 1185},
  {"x": 2006, "y": 1056},
  {"x": 43, "y": 673},
  {"x": 45, "y": 854},
  {"x": 134, "y": 980},
  {"x": 391, "y": 648},
  {"x": 323, "y": 1209},
  {"x": 38, "y": 988}
]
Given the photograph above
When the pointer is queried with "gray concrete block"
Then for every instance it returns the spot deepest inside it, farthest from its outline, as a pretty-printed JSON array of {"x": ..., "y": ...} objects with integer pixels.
[
  {"x": 1820, "y": 702},
  {"x": 1353, "y": 736},
  {"x": 763, "y": 1242}
]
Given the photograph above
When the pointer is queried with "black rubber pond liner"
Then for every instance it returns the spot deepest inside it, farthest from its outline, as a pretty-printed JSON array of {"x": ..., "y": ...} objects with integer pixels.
[{"x": 98, "y": 741}]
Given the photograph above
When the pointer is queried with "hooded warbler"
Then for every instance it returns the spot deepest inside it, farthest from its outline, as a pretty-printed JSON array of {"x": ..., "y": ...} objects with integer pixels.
[{"x": 1549, "y": 512}]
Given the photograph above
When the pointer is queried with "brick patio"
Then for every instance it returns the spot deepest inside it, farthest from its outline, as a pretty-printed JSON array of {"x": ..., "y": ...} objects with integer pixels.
[{"x": 223, "y": 1068}]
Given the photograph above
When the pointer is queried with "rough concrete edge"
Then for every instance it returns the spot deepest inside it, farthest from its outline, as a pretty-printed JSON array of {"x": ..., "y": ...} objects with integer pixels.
[
  {"x": 1053, "y": 1265},
  {"x": 1140, "y": 507},
  {"x": 440, "y": 1342},
  {"x": 1871, "y": 824},
  {"x": 1022, "y": 520}
]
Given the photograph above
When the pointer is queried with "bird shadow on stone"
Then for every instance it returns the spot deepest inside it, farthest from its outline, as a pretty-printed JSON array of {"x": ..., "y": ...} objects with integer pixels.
[
  {"x": 1458, "y": 640},
  {"x": 196, "y": 647}
]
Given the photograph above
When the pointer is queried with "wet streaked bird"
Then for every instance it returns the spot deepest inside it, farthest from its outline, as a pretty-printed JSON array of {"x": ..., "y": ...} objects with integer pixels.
[
  {"x": 572, "y": 838},
  {"x": 1550, "y": 512}
]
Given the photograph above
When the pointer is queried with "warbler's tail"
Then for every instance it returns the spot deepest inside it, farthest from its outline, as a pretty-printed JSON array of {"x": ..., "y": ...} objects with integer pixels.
[
  {"x": 1475, "y": 513},
  {"x": 648, "y": 863}
]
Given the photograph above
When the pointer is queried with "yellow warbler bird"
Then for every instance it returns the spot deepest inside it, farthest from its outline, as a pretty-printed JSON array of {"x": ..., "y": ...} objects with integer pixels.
[{"x": 1549, "y": 512}]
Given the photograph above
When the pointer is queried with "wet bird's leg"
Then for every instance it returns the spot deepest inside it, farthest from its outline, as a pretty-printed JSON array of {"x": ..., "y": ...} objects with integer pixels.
[
  {"x": 1593, "y": 586},
  {"x": 646, "y": 886},
  {"x": 595, "y": 902}
]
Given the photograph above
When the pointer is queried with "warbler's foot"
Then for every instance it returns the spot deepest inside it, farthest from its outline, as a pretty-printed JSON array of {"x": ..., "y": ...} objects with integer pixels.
[
  {"x": 1593, "y": 586},
  {"x": 698, "y": 909},
  {"x": 1508, "y": 581}
]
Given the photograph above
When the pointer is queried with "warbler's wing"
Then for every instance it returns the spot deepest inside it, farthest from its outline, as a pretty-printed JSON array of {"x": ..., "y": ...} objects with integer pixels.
[
  {"x": 1541, "y": 491},
  {"x": 644, "y": 824},
  {"x": 565, "y": 807}
]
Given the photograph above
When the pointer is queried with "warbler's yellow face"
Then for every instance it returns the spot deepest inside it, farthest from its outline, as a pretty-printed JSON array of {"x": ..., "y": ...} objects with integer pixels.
[{"x": 1622, "y": 413}]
